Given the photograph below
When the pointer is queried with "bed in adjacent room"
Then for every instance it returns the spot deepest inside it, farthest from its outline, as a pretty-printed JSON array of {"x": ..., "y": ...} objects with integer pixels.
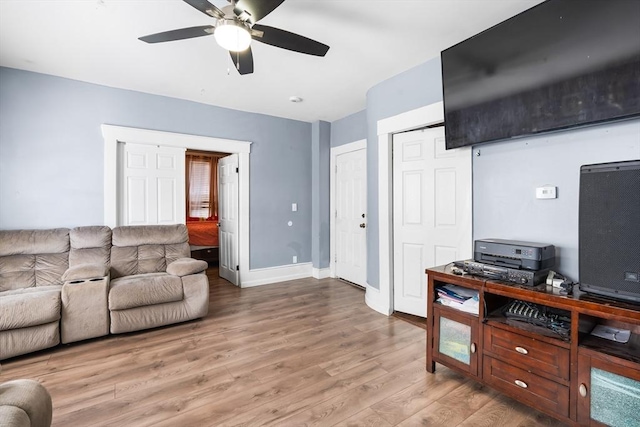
[{"x": 203, "y": 239}]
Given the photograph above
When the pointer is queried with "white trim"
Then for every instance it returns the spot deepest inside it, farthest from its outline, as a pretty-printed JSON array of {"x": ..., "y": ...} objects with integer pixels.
[
  {"x": 265, "y": 276},
  {"x": 321, "y": 273},
  {"x": 335, "y": 152},
  {"x": 428, "y": 115},
  {"x": 372, "y": 299},
  {"x": 425, "y": 116},
  {"x": 113, "y": 134}
]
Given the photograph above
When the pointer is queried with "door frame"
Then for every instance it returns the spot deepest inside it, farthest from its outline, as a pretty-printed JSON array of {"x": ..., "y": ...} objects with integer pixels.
[
  {"x": 335, "y": 152},
  {"x": 113, "y": 134},
  {"x": 381, "y": 299}
]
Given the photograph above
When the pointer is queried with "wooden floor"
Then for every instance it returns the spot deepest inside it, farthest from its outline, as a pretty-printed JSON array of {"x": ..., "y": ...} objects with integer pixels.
[{"x": 304, "y": 352}]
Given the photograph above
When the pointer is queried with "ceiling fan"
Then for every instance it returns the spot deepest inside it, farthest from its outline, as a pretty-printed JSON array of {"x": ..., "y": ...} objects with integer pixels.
[{"x": 235, "y": 27}]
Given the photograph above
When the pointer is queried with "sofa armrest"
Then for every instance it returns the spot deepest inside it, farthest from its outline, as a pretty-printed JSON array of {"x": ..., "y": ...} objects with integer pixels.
[
  {"x": 82, "y": 272},
  {"x": 186, "y": 266}
]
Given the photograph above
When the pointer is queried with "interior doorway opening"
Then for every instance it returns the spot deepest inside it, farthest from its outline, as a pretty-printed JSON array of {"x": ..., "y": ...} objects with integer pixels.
[
  {"x": 381, "y": 298},
  {"x": 113, "y": 135},
  {"x": 202, "y": 198},
  {"x": 347, "y": 204}
]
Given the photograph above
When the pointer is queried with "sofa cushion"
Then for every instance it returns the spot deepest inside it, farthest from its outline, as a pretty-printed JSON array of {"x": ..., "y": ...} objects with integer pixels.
[
  {"x": 144, "y": 289},
  {"x": 14, "y": 242},
  {"x": 90, "y": 245},
  {"x": 150, "y": 235},
  {"x": 24, "y": 271},
  {"x": 147, "y": 249},
  {"x": 22, "y": 308},
  {"x": 33, "y": 257}
]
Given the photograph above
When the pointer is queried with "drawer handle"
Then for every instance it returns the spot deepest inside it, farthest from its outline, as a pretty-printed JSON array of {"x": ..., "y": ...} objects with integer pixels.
[
  {"x": 521, "y": 384},
  {"x": 473, "y": 347},
  {"x": 582, "y": 390},
  {"x": 522, "y": 350}
]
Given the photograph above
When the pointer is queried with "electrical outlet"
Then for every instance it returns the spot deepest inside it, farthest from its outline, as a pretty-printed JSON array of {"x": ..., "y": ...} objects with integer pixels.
[{"x": 295, "y": 259}]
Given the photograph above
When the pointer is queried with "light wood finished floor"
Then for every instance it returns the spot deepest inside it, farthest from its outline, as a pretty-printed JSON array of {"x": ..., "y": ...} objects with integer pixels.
[{"x": 304, "y": 352}]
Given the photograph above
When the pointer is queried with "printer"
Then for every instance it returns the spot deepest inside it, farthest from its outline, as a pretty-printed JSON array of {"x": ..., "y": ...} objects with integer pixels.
[{"x": 514, "y": 254}]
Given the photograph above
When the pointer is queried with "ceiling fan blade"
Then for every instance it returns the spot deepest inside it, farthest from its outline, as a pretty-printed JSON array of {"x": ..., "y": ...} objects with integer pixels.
[
  {"x": 183, "y": 33},
  {"x": 258, "y": 9},
  {"x": 243, "y": 61},
  {"x": 286, "y": 40},
  {"x": 205, "y": 7}
]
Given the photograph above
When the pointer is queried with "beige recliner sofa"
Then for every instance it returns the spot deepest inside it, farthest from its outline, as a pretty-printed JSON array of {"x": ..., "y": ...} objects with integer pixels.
[
  {"x": 153, "y": 280},
  {"x": 49, "y": 289},
  {"x": 55, "y": 284}
]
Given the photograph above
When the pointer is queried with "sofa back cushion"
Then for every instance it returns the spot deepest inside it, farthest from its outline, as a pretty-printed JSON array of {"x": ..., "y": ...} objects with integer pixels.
[
  {"x": 31, "y": 258},
  {"x": 90, "y": 245},
  {"x": 147, "y": 248}
]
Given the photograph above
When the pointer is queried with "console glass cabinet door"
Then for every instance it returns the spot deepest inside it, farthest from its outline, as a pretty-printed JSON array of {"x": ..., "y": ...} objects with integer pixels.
[
  {"x": 456, "y": 339},
  {"x": 609, "y": 394}
]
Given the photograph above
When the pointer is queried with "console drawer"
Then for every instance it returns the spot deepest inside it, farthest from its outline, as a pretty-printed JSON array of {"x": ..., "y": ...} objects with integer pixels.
[
  {"x": 526, "y": 386},
  {"x": 532, "y": 354}
]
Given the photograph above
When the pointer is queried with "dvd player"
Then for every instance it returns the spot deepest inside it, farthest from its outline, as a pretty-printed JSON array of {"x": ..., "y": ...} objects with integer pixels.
[{"x": 505, "y": 274}]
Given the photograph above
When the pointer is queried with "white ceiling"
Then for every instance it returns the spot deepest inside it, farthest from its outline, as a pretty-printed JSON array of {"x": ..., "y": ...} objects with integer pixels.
[{"x": 97, "y": 41}]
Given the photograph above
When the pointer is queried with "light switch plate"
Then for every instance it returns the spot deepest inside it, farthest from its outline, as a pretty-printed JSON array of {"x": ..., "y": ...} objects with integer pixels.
[{"x": 294, "y": 207}]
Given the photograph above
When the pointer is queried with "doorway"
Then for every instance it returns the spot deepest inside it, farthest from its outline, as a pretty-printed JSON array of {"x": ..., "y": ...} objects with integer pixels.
[
  {"x": 381, "y": 298},
  {"x": 348, "y": 203},
  {"x": 112, "y": 201},
  {"x": 431, "y": 212}
]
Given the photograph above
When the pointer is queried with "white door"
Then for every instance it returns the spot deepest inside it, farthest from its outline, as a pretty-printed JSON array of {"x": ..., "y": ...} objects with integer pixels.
[
  {"x": 431, "y": 212},
  {"x": 350, "y": 216},
  {"x": 228, "y": 217},
  {"x": 152, "y": 182}
]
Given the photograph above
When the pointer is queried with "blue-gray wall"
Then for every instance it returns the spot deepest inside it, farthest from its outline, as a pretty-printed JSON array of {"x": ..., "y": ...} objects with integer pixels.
[
  {"x": 415, "y": 88},
  {"x": 320, "y": 167},
  {"x": 349, "y": 129},
  {"x": 51, "y": 157},
  {"x": 506, "y": 174}
]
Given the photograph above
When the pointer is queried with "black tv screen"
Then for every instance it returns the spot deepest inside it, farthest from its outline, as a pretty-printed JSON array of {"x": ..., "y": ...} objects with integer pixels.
[{"x": 560, "y": 64}]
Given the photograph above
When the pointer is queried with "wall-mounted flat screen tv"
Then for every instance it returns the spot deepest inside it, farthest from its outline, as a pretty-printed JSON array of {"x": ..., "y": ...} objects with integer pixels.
[{"x": 560, "y": 64}]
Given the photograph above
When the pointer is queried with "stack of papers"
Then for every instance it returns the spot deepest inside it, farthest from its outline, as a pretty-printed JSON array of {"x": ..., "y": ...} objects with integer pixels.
[{"x": 459, "y": 298}]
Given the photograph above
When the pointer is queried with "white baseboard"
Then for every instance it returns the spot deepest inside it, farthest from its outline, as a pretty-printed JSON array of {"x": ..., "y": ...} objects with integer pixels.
[
  {"x": 282, "y": 273},
  {"x": 373, "y": 299},
  {"x": 321, "y": 273}
]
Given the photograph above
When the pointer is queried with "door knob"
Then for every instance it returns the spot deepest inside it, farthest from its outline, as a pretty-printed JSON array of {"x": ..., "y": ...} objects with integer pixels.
[{"x": 363, "y": 225}]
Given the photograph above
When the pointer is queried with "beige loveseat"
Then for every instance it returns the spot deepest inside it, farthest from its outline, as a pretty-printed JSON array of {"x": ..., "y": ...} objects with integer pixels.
[{"x": 64, "y": 285}]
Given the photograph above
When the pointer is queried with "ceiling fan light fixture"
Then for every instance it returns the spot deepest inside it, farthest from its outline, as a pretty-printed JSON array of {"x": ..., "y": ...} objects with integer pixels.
[{"x": 232, "y": 35}]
